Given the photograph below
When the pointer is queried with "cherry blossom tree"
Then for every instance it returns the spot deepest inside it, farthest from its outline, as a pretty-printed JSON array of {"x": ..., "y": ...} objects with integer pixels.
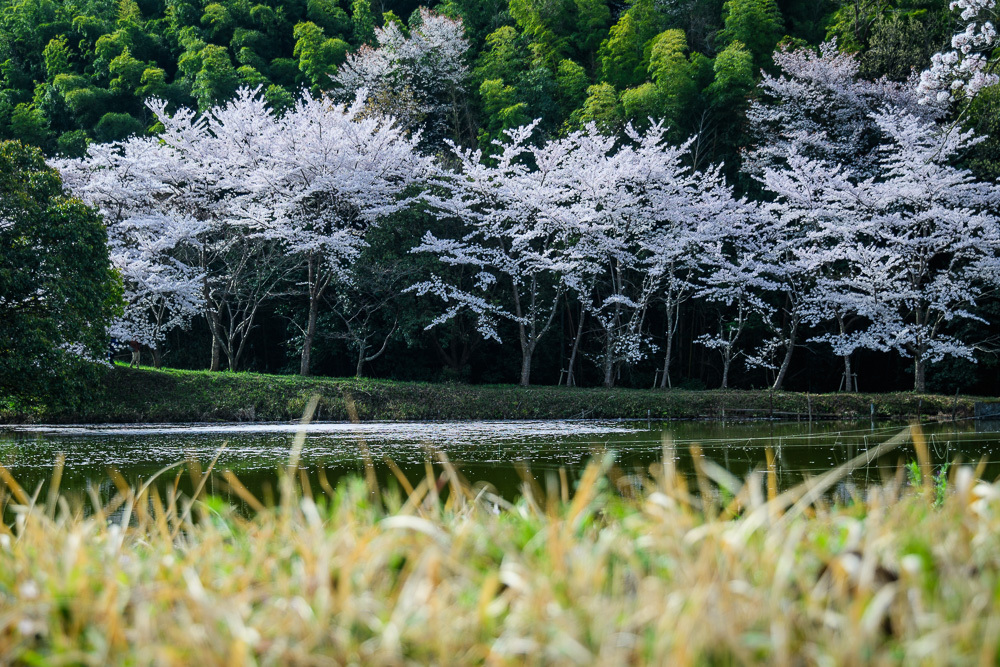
[
  {"x": 819, "y": 106},
  {"x": 417, "y": 78},
  {"x": 735, "y": 276},
  {"x": 812, "y": 123},
  {"x": 160, "y": 291},
  {"x": 328, "y": 172},
  {"x": 217, "y": 157},
  {"x": 512, "y": 209},
  {"x": 194, "y": 180},
  {"x": 638, "y": 212},
  {"x": 936, "y": 240},
  {"x": 904, "y": 248}
]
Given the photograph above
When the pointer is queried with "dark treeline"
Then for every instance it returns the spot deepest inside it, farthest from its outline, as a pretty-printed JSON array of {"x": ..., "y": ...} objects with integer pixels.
[{"x": 75, "y": 72}]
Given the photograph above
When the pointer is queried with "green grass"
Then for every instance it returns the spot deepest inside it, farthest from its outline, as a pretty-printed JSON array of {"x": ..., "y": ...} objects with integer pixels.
[
  {"x": 146, "y": 395},
  {"x": 615, "y": 571}
]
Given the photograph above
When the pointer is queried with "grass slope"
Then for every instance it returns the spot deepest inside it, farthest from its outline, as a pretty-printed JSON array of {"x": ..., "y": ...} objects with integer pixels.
[{"x": 146, "y": 395}]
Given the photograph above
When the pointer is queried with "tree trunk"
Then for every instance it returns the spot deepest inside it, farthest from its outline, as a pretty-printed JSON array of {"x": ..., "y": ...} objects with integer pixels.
[
  {"x": 570, "y": 374},
  {"x": 919, "y": 373},
  {"x": 672, "y": 319},
  {"x": 848, "y": 376},
  {"x": 216, "y": 352},
  {"x": 307, "y": 337},
  {"x": 526, "y": 353},
  {"x": 665, "y": 378},
  {"x": 609, "y": 365},
  {"x": 157, "y": 354},
  {"x": 786, "y": 362},
  {"x": 727, "y": 361},
  {"x": 361, "y": 360}
]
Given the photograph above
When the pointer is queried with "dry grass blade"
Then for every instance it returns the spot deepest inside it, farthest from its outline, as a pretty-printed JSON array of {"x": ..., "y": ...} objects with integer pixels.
[
  {"x": 15, "y": 488},
  {"x": 242, "y": 492},
  {"x": 596, "y": 578}
]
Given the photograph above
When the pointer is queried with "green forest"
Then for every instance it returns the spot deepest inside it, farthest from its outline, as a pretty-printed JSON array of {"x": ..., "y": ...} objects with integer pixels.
[
  {"x": 78, "y": 73},
  {"x": 73, "y": 72}
]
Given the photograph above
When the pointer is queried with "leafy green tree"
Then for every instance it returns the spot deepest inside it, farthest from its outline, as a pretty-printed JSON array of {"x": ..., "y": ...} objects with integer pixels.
[
  {"x": 29, "y": 123},
  {"x": 117, "y": 126},
  {"x": 622, "y": 53},
  {"x": 572, "y": 83},
  {"x": 734, "y": 78},
  {"x": 363, "y": 22},
  {"x": 899, "y": 44},
  {"x": 329, "y": 16},
  {"x": 984, "y": 117},
  {"x": 502, "y": 111},
  {"x": 318, "y": 56},
  {"x": 127, "y": 74},
  {"x": 217, "y": 80},
  {"x": 88, "y": 103},
  {"x": 57, "y": 55},
  {"x": 758, "y": 24},
  {"x": 72, "y": 144},
  {"x": 57, "y": 290},
  {"x": 677, "y": 79},
  {"x": 505, "y": 56},
  {"x": 601, "y": 107}
]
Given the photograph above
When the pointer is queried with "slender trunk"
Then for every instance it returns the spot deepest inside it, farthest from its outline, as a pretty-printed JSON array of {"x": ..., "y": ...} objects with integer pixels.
[
  {"x": 848, "y": 375},
  {"x": 526, "y": 336},
  {"x": 665, "y": 378},
  {"x": 672, "y": 318},
  {"x": 726, "y": 362},
  {"x": 157, "y": 354},
  {"x": 361, "y": 360},
  {"x": 919, "y": 372},
  {"x": 213, "y": 321},
  {"x": 216, "y": 352},
  {"x": 309, "y": 334},
  {"x": 526, "y": 353},
  {"x": 571, "y": 375},
  {"x": 307, "y": 338},
  {"x": 786, "y": 362},
  {"x": 609, "y": 364}
]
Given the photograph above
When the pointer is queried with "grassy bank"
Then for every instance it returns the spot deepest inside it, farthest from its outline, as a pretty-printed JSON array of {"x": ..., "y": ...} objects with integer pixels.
[
  {"x": 146, "y": 395},
  {"x": 448, "y": 574}
]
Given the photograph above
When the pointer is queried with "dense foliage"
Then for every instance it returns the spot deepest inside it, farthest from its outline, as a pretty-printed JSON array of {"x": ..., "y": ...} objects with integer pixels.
[
  {"x": 56, "y": 283},
  {"x": 248, "y": 235}
]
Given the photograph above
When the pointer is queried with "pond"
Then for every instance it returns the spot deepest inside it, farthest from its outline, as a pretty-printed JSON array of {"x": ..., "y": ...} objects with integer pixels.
[{"x": 497, "y": 453}]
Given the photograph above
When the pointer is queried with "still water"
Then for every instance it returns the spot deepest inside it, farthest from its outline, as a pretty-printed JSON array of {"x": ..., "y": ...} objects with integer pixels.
[{"x": 497, "y": 453}]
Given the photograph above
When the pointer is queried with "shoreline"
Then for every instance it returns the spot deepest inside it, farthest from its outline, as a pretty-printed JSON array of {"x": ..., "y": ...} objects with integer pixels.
[{"x": 171, "y": 396}]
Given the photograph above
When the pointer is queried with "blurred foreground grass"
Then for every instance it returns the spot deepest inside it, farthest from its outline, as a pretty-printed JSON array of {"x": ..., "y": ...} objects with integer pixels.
[{"x": 619, "y": 570}]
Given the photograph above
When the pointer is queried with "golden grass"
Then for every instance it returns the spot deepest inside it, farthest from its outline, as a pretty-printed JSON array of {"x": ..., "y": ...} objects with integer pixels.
[{"x": 619, "y": 570}]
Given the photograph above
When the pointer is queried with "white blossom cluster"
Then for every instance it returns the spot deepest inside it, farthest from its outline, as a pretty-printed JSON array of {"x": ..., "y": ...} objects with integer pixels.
[
  {"x": 413, "y": 77},
  {"x": 966, "y": 69}
]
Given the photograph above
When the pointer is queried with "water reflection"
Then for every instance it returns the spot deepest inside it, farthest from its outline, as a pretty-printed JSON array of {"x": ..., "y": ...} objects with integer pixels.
[{"x": 483, "y": 451}]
